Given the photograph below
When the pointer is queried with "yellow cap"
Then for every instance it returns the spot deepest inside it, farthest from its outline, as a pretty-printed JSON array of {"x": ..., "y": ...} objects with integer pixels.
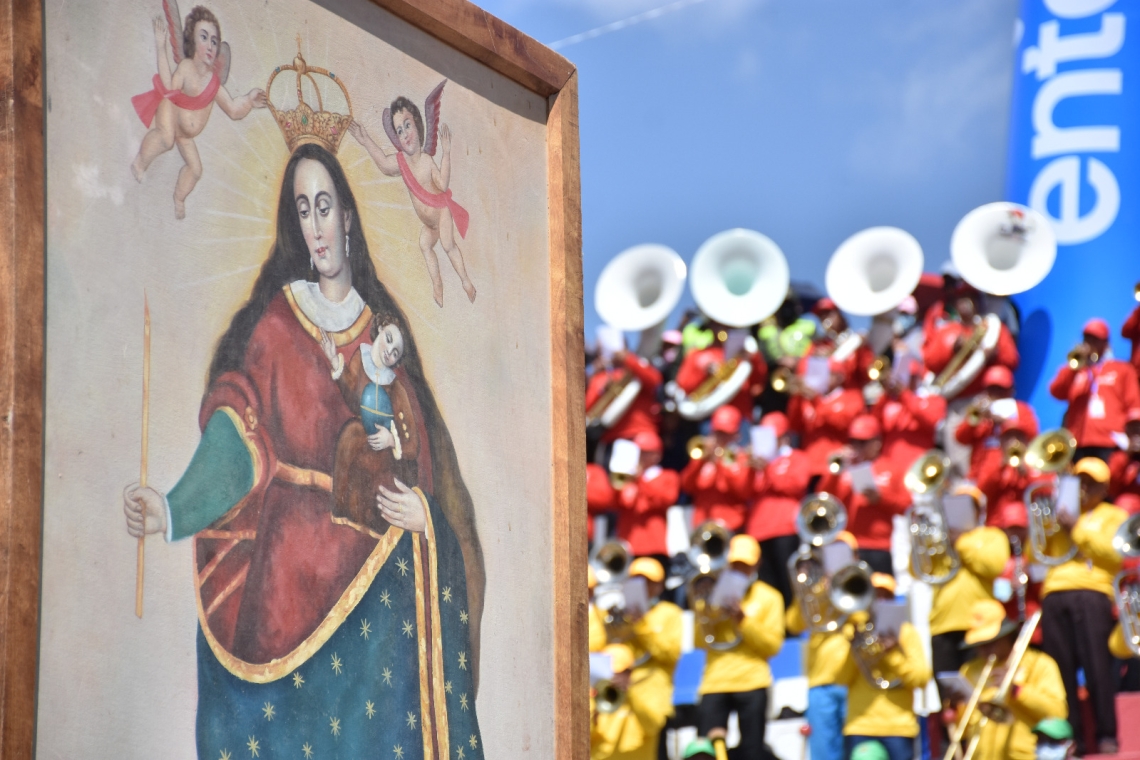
[
  {"x": 621, "y": 657},
  {"x": 848, "y": 538},
  {"x": 591, "y": 578},
  {"x": 1094, "y": 468},
  {"x": 744, "y": 548},
  {"x": 883, "y": 581},
  {"x": 648, "y": 568},
  {"x": 987, "y": 618}
]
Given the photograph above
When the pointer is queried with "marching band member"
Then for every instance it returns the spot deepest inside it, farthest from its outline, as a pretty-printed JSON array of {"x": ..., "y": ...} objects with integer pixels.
[
  {"x": 630, "y": 732},
  {"x": 827, "y": 699},
  {"x": 980, "y": 427},
  {"x": 597, "y": 622},
  {"x": 656, "y": 638},
  {"x": 845, "y": 347},
  {"x": 1101, "y": 391},
  {"x": 778, "y": 487},
  {"x": 1037, "y": 693},
  {"x": 642, "y": 502},
  {"x": 1077, "y": 604},
  {"x": 600, "y": 497},
  {"x": 822, "y": 420},
  {"x": 718, "y": 482},
  {"x": 871, "y": 510},
  {"x": 1131, "y": 331},
  {"x": 909, "y": 419},
  {"x": 983, "y": 553},
  {"x": 1124, "y": 486},
  {"x": 737, "y": 679},
  {"x": 886, "y": 715},
  {"x": 1003, "y": 475},
  {"x": 699, "y": 365},
  {"x": 644, "y": 413}
]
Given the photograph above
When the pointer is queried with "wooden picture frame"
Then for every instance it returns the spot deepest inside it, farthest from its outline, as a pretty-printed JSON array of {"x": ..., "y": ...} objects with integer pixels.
[{"x": 464, "y": 27}]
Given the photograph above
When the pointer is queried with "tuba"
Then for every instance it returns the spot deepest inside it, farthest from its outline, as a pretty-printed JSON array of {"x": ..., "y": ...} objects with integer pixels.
[
  {"x": 1126, "y": 585},
  {"x": 739, "y": 279},
  {"x": 1003, "y": 248},
  {"x": 932, "y": 557},
  {"x": 636, "y": 291},
  {"x": 872, "y": 271},
  {"x": 1051, "y": 452}
]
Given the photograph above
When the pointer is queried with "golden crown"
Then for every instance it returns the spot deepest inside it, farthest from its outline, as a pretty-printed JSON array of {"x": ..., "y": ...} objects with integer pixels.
[{"x": 302, "y": 124}]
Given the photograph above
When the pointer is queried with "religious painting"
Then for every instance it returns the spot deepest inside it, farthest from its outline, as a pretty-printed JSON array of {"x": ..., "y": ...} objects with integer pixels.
[{"x": 298, "y": 451}]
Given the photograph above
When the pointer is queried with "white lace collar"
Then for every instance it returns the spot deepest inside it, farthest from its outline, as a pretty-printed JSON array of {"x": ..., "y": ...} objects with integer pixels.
[
  {"x": 382, "y": 375},
  {"x": 325, "y": 314}
]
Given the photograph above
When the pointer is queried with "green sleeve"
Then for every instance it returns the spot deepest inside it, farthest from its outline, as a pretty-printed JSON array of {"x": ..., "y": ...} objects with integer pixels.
[{"x": 220, "y": 474}]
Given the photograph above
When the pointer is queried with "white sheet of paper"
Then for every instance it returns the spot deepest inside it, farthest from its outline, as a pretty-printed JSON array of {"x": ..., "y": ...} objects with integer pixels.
[
  {"x": 817, "y": 374},
  {"x": 601, "y": 667},
  {"x": 862, "y": 477},
  {"x": 900, "y": 369},
  {"x": 610, "y": 341},
  {"x": 764, "y": 444},
  {"x": 729, "y": 589},
  {"x": 636, "y": 595},
  {"x": 1004, "y": 409},
  {"x": 734, "y": 343},
  {"x": 889, "y": 616},
  {"x": 624, "y": 457},
  {"x": 1096, "y": 408},
  {"x": 676, "y": 531},
  {"x": 835, "y": 556},
  {"x": 1120, "y": 439},
  {"x": 1069, "y": 496},
  {"x": 960, "y": 513}
]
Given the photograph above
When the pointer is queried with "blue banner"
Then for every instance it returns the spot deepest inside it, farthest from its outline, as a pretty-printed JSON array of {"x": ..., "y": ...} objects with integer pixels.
[{"x": 1074, "y": 156}]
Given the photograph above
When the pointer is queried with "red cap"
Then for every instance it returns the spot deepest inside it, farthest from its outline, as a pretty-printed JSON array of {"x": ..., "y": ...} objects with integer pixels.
[
  {"x": 865, "y": 428},
  {"x": 726, "y": 419},
  {"x": 647, "y": 440},
  {"x": 1026, "y": 423},
  {"x": 1097, "y": 328},
  {"x": 999, "y": 376},
  {"x": 778, "y": 421},
  {"x": 822, "y": 305}
]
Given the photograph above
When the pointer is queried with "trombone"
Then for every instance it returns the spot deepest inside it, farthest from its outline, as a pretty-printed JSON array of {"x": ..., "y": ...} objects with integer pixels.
[
  {"x": 1126, "y": 585},
  {"x": 933, "y": 558},
  {"x": 1051, "y": 452}
]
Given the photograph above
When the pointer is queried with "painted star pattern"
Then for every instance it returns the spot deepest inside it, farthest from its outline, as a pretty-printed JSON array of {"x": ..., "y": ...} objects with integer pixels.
[
  {"x": 334, "y": 725},
  {"x": 473, "y": 741},
  {"x": 463, "y": 661},
  {"x": 386, "y": 599},
  {"x": 408, "y": 628},
  {"x": 298, "y": 680},
  {"x": 369, "y": 709},
  {"x": 402, "y": 564},
  {"x": 337, "y": 666},
  {"x": 365, "y": 629},
  {"x": 386, "y": 674},
  {"x": 447, "y": 686},
  {"x": 447, "y": 594},
  {"x": 411, "y": 720},
  {"x": 398, "y": 751},
  {"x": 269, "y": 711},
  {"x": 463, "y": 701},
  {"x": 459, "y": 752},
  {"x": 225, "y": 755},
  {"x": 463, "y": 617},
  {"x": 308, "y": 750},
  {"x": 254, "y": 746}
]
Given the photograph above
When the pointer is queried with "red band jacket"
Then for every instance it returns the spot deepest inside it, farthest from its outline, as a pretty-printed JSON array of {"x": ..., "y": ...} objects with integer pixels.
[
  {"x": 719, "y": 490},
  {"x": 644, "y": 413},
  {"x": 697, "y": 367},
  {"x": 1004, "y": 487},
  {"x": 822, "y": 422},
  {"x": 777, "y": 491},
  {"x": 1124, "y": 485},
  {"x": 939, "y": 349},
  {"x": 1099, "y": 397},
  {"x": 871, "y": 522},
  {"x": 908, "y": 426},
  {"x": 986, "y": 436}
]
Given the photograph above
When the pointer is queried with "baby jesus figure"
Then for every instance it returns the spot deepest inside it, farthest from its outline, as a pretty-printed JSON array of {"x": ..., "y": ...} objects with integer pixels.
[
  {"x": 181, "y": 102},
  {"x": 383, "y": 445}
]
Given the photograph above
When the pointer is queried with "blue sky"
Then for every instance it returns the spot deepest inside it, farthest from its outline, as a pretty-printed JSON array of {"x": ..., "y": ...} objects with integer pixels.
[{"x": 807, "y": 120}]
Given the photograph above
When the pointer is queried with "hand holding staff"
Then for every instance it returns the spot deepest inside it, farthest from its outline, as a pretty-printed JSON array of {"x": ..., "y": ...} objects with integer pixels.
[{"x": 140, "y": 567}]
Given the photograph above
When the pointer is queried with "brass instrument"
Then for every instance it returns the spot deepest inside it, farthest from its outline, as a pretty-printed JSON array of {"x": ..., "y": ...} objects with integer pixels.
[
  {"x": 1051, "y": 452},
  {"x": 603, "y": 412},
  {"x": 708, "y": 553},
  {"x": 851, "y": 590},
  {"x": 611, "y": 563},
  {"x": 1081, "y": 356},
  {"x": 879, "y": 367},
  {"x": 608, "y": 698},
  {"x": 867, "y": 649},
  {"x": 713, "y": 381},
  {"x": 708, "y": 546},
  {"x": 872, "y": 271},
  {"x": 932, "y": 556},
  {"x": 977, "y": 410},
  {"x": 1015, "y": 454},
  {"x": 782, "y": 378},
  {"x": 968, "y": 347},
  {"x": 619, "y": 480},
  {"x": 611, "y": 568},
  {"x": 820, "y": 519},
  {"x": 1136, "y": 291},
  {"x": 1126, "y": 585},
  {"x": 701, "y": 447},
  {"x": 835, "y": 463},
  {"x": 959, "y": 731}
]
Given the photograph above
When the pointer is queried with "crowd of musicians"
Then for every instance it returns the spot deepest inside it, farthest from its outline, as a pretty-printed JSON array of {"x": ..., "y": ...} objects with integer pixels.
[{"x": 909, "y": 432}]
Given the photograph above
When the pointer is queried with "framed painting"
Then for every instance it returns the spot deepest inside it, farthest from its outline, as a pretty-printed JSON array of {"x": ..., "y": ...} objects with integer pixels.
[{"x": 291, "y": 454}]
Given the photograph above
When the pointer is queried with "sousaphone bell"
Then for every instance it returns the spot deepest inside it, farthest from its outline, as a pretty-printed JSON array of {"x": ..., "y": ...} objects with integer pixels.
[
  {"x": 874, "y": 270},
  {"x": 1003, "y": 248}
]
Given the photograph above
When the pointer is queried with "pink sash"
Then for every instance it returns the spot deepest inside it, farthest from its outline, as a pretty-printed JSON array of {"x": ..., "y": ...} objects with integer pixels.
[
  {"x": 146, "y": 105},
  {"x": 435, "y": 200}
]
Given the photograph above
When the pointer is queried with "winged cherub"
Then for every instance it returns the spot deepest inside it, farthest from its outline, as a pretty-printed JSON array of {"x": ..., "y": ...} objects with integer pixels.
[
  {"x": 427, "y": 183},
  {"x": 181, "y": 102}
]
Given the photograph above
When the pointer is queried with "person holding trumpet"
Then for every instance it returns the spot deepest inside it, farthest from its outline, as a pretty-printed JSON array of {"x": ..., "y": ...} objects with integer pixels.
[
  {"x": 909, "y": 418},
  {"x": 644, "y": 412},
  {"x": 1131, "y": 330},
  {"x": 736, "y": 678},
  {"x": 1077, "y": 603},
  {"x": 870, "y": 489},
  {"x": 1036, "y": 693},
  {"x": 988, "y": 414},
  {"x": 1004, "y": 475},
  {"x": 718, "y": 474},
  {"x": 631, "y": 729},
  {"x": 1099, "y": 389},
  {"x": 836, "y": 340},
  {"x": 1124, "y": 466},
  {"x": 641, "y": 501},
  {"x": 822, "y": 420}
]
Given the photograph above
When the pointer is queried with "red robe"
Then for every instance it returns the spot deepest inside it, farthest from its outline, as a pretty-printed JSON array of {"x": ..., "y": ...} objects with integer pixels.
[
  {"x": 696, "y": 368},
  {"x": 778, "y": 490},
  {"x": 644, "y": 413},
  {"x": 870, "y": 523},
  {"x": 1115, "y": 384},
  {"x": 908, "y": 426},
  {"x": 938, "y": 350},
  {"x": 719, "y": 490},
  {"x": 822, "y": 423}
]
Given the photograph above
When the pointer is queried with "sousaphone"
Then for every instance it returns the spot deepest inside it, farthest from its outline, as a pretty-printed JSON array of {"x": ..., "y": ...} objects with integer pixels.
[
  {"x": 872, "y": 271},
  {"x": 738, "y": 278},
  {"x": 1003, "y": 248}
]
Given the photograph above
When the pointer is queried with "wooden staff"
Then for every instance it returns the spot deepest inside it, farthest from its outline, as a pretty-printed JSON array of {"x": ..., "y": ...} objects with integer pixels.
[{"x": 142, "y": 468}]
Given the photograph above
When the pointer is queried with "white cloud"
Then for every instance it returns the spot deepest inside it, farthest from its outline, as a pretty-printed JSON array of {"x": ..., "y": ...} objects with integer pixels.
[{"x": 88, "y": 183}]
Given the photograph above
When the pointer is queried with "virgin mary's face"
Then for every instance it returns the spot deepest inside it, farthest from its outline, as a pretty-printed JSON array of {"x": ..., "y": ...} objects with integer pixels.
[{"x": 323, "y": 222}]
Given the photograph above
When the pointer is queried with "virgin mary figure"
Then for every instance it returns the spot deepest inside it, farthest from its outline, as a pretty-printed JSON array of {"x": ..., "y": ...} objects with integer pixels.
[{"x": 320, "y": 638}]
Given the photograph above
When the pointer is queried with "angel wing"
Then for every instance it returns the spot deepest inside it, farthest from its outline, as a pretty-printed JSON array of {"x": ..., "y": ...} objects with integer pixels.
[
  {"x": 431, "y": 118},
  {"x": 222, "y": 62},
  {"x": 174, "y": 27},
  {"x": 386, "y": 117}
]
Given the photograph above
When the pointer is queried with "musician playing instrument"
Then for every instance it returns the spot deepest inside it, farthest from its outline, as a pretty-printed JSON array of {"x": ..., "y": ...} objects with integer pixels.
[
  {"x": 1037, "y": 692},
  {"x": 1124, "y": 465},
  {"x": 909, "y": 417},
  {"x": 983, "y": 422},
  {"x": 632, "y": 731},
  {"x": 645, "y": 412},
  {"x": 641, "y": 503},
  {"x": 827, "y": 699},
  {"x": 983, "y": 553},
  {"x": 656, "y": 640},
  {"x": 718, "y": 478},
  {"x": 597, "y": 621},
  {"x": 822, "y": 420},
  {"x": 778, "y": 487},
  {"x": 1077, "y": 603},
  {"x": 1100, "y": 390},
  {"x": 846, "y": 348},
  {"x": 1131, "y": 331},
  {"x": 701, "y": 364},
  {"x": 601, "y": 498},
  {"x": 737, "y": 679},
  {"x": 1003, "y": 475},
  {"x": 871, "y": 510},
  {"x": 886, "y": 715}
]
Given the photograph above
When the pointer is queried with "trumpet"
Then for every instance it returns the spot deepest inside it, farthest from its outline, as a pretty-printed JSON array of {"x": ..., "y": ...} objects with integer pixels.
[
  {"x": 1082, "y": 356},
  {"x": 1126, "y": 585},
  {"x": 879, "y": 367},
  {"x": 835, "y": 463},
  {"x": 701, "y": 447},
  {"x": 1051, "y": 452},
  {"x": 976, "y": 411},
  {"x": 782, "y": 380},
  {"x": 608, "y": 698},
  {"x": 1015, "y": 454},
  {"x": 932, "y": 556},
  {"x": 619, "y": 480}
]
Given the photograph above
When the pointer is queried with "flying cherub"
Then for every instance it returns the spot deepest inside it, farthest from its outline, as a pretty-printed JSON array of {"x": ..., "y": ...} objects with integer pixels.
[
  {"x": 427, "y": 183},
  {"x": 181, "y": 102}
]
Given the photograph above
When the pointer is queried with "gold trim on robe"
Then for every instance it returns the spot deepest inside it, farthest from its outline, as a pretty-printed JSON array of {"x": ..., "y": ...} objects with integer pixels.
[{"x": 342, "y": 338}]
